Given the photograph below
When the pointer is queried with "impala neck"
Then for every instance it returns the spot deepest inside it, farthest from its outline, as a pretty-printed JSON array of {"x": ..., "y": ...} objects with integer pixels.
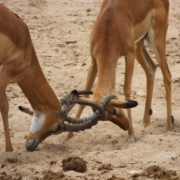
[
  {"x": 106, "y": 78},
  {"x": 36, "y": 88}
]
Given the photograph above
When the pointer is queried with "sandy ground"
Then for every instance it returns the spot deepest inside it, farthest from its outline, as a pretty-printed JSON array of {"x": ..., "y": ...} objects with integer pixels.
[{"x": 52, "y": 24}]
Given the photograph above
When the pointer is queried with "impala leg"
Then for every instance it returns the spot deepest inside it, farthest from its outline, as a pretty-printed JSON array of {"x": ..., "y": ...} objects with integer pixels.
[
  {"x": 92, "y": 72},
  {"x": 89, "y": 83},
  {"x": 129, "y": 65},
  {"x": 4, "y": 108},
  {"x": 4, "y": 111},
  {"x": 149, "y": 68},
  {"x": 159, "y": 46},
  {"x": 167, "y": 83}
]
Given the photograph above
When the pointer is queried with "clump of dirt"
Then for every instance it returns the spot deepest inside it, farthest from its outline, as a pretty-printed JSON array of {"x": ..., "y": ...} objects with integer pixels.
[
  {"x": 50, "y": 175},
  {"x": 157, "y": 172},
  {"x": 12, "y": 160},
  {"x": 105, "y": 167},
  {"x": 4, "y": 176},
  {"x": 176, "y": 178},
  {"x": 115, "y": 178},
  {"x": 74, "y": 163}
]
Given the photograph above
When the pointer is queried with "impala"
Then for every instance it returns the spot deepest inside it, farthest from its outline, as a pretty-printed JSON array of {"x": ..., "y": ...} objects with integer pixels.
[
  {"x": 19, "y": 64},
  {"x": 120, "y": 29}
]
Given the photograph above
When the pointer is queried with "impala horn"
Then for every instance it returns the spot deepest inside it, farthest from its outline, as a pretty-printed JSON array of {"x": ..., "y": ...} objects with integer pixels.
[
  {"x": 100, "y": 107},
  {"x": 63, "y": 101},
  {"x": 80, "y": 124}
]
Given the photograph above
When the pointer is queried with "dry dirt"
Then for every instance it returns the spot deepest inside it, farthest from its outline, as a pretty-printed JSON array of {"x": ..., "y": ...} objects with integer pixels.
[
  {"x": 60, "y": 32},
  {"x": 74, "y": 163}
]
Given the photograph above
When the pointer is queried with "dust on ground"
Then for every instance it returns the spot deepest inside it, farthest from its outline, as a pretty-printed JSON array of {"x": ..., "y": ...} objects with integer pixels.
[{"x": 60, "y": 31}]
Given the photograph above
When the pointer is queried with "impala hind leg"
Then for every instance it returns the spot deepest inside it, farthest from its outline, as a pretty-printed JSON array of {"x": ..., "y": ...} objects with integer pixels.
[
  {"x": 89, "y": 83},
  {"x": 159, "y": 43},
  {"x": 149, "y": 67},
  {"x": 129, "y": 65}
]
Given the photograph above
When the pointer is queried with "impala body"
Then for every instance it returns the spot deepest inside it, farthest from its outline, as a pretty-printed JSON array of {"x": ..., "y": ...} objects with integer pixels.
[
  {"x": 19, "y": 64},
  {"x": 120, "y": 29}
]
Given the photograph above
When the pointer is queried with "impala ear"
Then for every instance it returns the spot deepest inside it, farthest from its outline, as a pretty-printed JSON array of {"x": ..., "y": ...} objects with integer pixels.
[
  {"x": 25, "y": 110},
  {"x": 123, "y": 104}
]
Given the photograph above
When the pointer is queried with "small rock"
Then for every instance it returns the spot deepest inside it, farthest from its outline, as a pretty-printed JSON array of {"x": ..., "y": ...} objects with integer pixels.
[
  {"x": 83, "y": 64},
  {"x": 52, "y": 162},
  {"x": 88, "y": 10}
]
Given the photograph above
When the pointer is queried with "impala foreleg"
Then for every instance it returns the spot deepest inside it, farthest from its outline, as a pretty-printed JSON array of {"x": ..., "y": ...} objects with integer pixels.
[
  {"x": 167, "y": 83},
  {"x": 149, "y": 68},
  {"x": 89, "y": 83},
  {"x": 129, "y": 65},
  {"x": 4, "y": 108},
  {"x": 4, "y": 111}
]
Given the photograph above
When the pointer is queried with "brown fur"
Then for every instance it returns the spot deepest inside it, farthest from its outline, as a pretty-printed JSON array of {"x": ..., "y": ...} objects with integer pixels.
[{"x": 20, "y": 65}]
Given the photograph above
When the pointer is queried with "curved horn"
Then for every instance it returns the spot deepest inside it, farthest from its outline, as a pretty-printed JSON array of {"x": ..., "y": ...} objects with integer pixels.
[
  {"x": 81, "y": 92},
  {"x": 100, "y": 107},
  {"x": 86, "y": 123},
  {"x": 76, "y": 124},
  {"x": 83, "y": 120},
  {"x": 75, "y": 93},
  {"x": 79, "y": 127}
]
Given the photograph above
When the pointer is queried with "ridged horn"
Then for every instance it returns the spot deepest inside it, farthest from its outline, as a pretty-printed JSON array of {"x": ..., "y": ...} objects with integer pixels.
[
  {"x": 82, "y": 92},
  {"x": 82, "y": 120},
  {"x": 85, "y": 123},
  {"x": 76, "y": 93},
  {"x": 100, "y": 107}
]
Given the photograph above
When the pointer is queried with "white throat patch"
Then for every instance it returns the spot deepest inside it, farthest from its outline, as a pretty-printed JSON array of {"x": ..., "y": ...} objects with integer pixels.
[{"x": 37, "y": 121}]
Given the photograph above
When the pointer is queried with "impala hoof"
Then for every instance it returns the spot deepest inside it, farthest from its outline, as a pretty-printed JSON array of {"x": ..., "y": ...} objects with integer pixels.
[{"x": 131, "y": 140}]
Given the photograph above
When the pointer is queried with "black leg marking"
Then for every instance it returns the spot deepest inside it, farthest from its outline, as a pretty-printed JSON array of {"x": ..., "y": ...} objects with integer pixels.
[
  {"x": 150, "y": 112},
  {"x": 172, "y": 119}
]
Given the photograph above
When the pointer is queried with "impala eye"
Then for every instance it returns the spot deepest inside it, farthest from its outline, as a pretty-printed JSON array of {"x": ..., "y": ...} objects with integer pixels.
[{"x": 114, "y": 111}]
